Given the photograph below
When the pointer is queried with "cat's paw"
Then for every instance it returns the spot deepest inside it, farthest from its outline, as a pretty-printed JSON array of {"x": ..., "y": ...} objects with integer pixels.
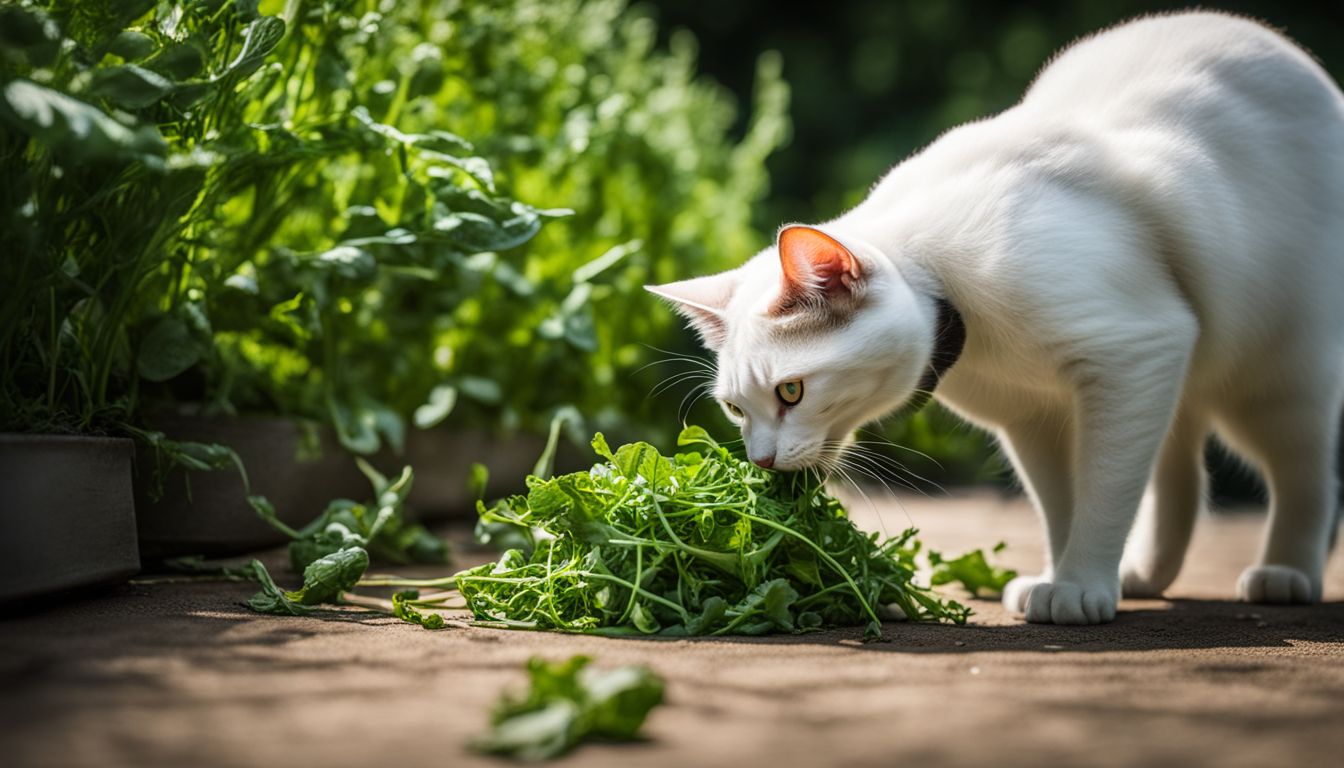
[
  {"x": 1015, "y": 592},
  {"x": 1141, "y": 582},
  {"x": 1280, "y": 584},
  {"x": 1066, "y": 602}
]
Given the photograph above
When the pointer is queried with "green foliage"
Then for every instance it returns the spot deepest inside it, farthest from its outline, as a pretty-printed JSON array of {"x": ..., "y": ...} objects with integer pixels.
[
  {"x": 201, "y": 188},
  {"x": 568, "y": 702},
  {"x": 404, "y": 608},
  {"x": 380, "y": 527},
  {"x": 973, "y": 571},
  {"x": 702, "y": 542},
  {"x": 270, "y": 207},
  {"x": 324, "y": 581}
]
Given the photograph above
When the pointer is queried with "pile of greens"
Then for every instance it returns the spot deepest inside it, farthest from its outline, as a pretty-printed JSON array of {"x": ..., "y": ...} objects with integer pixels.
[
  {"x": 699, "y": 543},
  {"x": 702, "y": 542},
  {"x": 568, "y": 702}
]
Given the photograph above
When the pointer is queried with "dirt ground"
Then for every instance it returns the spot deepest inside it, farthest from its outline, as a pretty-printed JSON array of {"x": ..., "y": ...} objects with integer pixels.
[{"x": 180, "y": 674}]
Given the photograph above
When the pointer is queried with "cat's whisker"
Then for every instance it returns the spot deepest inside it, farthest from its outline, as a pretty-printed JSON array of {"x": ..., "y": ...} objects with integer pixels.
[
  {"x": 698, "y": 393},
  {"x": 676, "y": 379},
  {"x": 898, "y": 469},
  {"x": 879, "y": 440},
  {"x": 834, "y": 466},
  {"x": 891, "y": 494}
]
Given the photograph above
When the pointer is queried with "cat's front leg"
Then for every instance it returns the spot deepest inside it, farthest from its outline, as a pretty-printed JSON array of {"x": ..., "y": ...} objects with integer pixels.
[
  {"x": 1124, "y": 399},
  {"x": 1039, "y": 443}
]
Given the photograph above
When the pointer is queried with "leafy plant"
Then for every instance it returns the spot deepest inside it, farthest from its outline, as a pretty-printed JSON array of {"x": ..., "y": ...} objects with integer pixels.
[
  {"x": 324, "y": 581},
  {"x": 381, "y": 528},
  {"x": 973, "y": 571},
  {"x": 702, "y": 542},
  {"x": 263, "y": 207},
  {"x": 583, "y": 109},
  {"x": 568, "y": 702}
]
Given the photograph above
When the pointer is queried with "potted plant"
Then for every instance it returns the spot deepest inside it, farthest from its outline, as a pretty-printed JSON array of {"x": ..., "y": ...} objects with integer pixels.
[{"x": 326, "y": 270}]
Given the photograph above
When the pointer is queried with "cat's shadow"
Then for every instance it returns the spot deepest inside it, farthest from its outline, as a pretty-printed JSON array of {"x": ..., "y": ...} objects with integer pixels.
[{"x": 1149, "y": 625}]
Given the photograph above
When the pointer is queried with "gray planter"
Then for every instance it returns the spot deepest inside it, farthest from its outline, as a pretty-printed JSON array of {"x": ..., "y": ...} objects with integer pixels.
[
  {"x": 206, "y": 513},
  {"x": 68, "y": 514},
  {"x": 442, "y": 459}
]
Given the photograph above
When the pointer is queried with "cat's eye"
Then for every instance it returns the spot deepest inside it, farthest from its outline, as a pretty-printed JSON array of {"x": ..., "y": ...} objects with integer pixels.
[
  {"x": 732, "y": 410},
  {"x": 790, "y": 392}
]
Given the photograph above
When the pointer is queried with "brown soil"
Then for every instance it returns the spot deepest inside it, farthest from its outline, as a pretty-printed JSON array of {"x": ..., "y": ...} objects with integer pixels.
[{"x": 180, "y": 674}]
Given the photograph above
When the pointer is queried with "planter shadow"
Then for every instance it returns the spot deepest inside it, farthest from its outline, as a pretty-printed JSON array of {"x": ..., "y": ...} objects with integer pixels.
[{"x": 68, "y": 514}]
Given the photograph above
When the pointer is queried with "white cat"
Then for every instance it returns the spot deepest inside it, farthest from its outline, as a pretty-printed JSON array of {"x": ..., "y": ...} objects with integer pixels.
[{"x": 1148, "y": 247}]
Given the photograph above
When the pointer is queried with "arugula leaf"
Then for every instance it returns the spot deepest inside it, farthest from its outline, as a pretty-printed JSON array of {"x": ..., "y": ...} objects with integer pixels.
[
  {"x": 404, "y": 609},
  {"x": 379, "y": 527},
  {"x": 702, "y": 542},
  {"x": 973, "y": 571},
  {"x": 324, "y": 580},
  {"x": 568, "y": 702}
]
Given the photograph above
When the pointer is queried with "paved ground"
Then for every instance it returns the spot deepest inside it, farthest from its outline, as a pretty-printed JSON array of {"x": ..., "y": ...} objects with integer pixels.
[{"x": 182, "y": 675}]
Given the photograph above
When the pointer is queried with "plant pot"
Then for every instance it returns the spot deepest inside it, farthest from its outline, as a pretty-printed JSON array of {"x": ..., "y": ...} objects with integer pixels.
[
  {"x": 68, "y": 514},
  {"x": 206, "y": 513},
  {"x": 442, "y": 460}
]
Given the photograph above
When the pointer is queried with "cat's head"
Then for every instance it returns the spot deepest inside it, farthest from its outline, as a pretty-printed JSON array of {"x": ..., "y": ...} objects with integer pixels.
[{"x": 815, "y": 336}]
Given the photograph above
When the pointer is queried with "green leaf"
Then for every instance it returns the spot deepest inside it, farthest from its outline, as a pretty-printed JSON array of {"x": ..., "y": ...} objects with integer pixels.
[
  {"x": 130, "y": 86},
  {"x": 347, "y": 261},
  {"x": 178, "y": 61},
  {"x": 167, "y": 350},
  {"x": 620, "y": 700},
  {"x": 481, "y": 389},
  {"x": 404, "y": 610},
  {"x": 133, "y": 45},
  {"x": 259, "y": 39},
  {"x": 441, "y": 401},
  {"x": 272, "y": 599},
  {"x": 606, "y": 261},
  {"x": 568, "y": 702},
  {"x": 973, "y": 571},
  {"x": 74, "y": 128},
  {"x": 478, "y": 480},
  {"x": 545, "y": 465},
  {"x": 327, "y": 577}
]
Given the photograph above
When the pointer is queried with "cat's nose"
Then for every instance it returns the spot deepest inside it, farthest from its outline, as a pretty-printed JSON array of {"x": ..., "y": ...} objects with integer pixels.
[{"x": 765, "y": 461}]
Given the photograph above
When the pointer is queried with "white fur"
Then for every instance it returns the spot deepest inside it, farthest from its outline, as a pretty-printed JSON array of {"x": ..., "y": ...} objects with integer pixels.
[{"x": 1148, "y": 247}]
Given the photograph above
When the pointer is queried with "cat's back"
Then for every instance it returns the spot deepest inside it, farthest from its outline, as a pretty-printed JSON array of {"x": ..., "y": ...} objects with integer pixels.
[{"x": 1170, "y": 65}]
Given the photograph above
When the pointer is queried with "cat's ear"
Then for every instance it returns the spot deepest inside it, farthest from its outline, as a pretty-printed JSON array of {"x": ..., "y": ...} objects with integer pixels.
[
  {"x": 703, "y": 301},
  {"x": 818, "y": 270}
]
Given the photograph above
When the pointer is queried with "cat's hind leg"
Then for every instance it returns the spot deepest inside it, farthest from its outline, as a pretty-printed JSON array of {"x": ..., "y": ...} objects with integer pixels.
[
  {"x": 1292, "y": 436},
  {"x": 1161, "y": 535}
]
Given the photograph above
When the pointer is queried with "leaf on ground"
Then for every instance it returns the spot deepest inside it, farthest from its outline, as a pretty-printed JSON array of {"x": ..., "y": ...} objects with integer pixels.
[
  {"x": 403, "y": 609},
  {"x": 568, "y": 702},
  {"x": 973, "y": 571},
  {"x": 324, "y": 580}
]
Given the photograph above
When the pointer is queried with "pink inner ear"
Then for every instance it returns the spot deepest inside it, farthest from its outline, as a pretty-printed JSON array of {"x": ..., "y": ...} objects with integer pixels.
[{"x": 812, "y": 260}]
